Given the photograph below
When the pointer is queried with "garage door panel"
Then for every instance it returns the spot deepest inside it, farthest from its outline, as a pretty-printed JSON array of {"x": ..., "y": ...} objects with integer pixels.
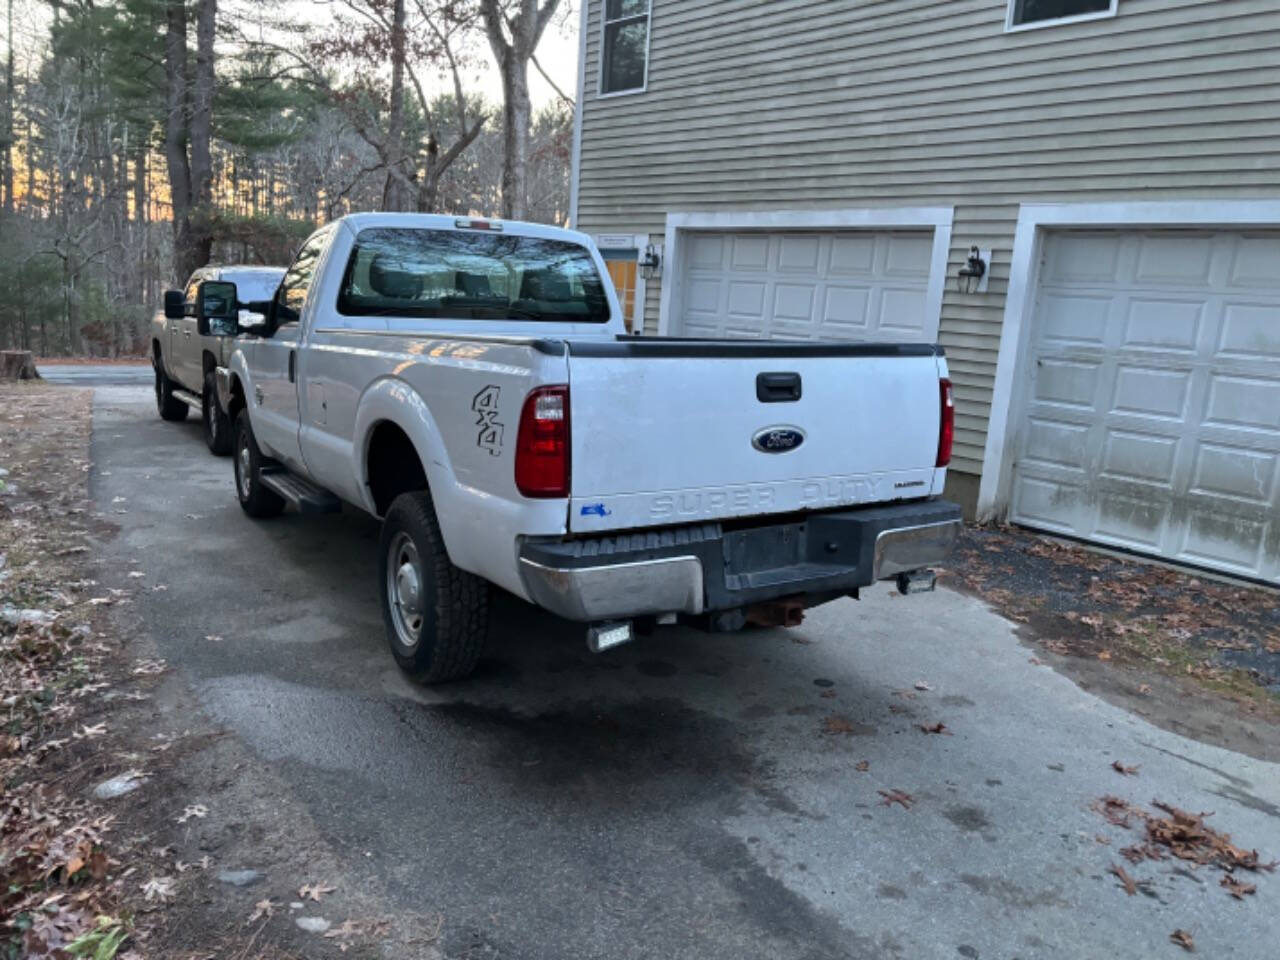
[
  {"x": 1182, "y": 261},
  {"x": 1246, "y": 402},
  {"x": 1142, "y": 457},
  {"x": 1254, "y": 260},
  {"x": 1152, "y": 415},
  {"x": 1135, "y": 523},
  {"x": 1235, "y": 472},
  {"x": 902, "y": 313},
  {"x": 1163, "y": 324},
  {"x": 802, "y": 284},
  {"x": 1053, "y": 443},
  {"x": 1071, "y": 319},
  {"x": 1251, "y": 330},
  {"x": 1151, "y": 392},
  {"x": 1068, "y": 383}
]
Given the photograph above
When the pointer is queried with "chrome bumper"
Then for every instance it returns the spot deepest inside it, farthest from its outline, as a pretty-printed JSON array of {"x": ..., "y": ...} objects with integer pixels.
[
  {"x": 910, "y": 548},
  {"x": 616, "y": 591}
]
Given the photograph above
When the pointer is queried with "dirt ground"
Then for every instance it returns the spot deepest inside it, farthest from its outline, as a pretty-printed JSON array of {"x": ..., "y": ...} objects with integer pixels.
[{"x": 1193, "y": 653}]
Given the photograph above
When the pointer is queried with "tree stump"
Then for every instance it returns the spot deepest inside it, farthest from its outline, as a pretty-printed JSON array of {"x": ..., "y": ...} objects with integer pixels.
[{"x": 18, "y": 365}]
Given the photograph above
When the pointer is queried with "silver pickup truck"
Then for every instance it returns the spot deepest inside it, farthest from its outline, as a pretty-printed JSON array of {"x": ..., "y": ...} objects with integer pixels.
[{"x": 184, "y": 357}]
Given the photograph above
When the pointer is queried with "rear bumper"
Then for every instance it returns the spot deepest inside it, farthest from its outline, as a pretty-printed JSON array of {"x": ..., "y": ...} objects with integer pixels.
[{"x": 705, "y": 568}]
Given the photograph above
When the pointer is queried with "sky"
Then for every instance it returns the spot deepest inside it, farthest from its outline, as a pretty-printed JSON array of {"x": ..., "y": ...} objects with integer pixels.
[{"x": 557, "y": 53}]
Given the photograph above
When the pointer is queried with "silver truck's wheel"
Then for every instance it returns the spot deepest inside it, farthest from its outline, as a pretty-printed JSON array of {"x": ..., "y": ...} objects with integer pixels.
[
  {"x": 168, "y": 406},
  {"x": 255, "y": 499},
  {"x": 436, "y": 616},
  {"x": 217, "y": 426}
]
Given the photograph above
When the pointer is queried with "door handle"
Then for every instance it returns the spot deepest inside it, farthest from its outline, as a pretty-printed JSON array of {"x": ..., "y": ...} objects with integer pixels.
[
  {"x": 186, "y": 333},
  {"x": 777, "y": 387},
  {"x": 293, "y": 365}
]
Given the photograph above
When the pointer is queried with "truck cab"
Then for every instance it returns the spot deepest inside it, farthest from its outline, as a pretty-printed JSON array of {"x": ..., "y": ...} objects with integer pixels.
[{"x": 184, "y": 357}]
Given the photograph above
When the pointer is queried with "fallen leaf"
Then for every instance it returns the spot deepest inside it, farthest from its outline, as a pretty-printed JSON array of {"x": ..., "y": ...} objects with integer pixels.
[
  {"x": 1104, "y": 655},
  {"x": 1120, "y": 768},
  {"x": 862, "y": 766},
  {"x": 837, "y": 723},
  {"x": 1130, "y": 887},
  {"x": 922, "y": 685},
  {"x": 936, "y": 728},
  {"x": 896, "y": 796},
  {"x": 1184, "y": 939},
  {"x": 159, "y": 888},
  {"x": 828, "y": 694},
  {"x": 1236, "y": 888},
  {"x": 262, "y": 909},
  {"x": 1144, "y": 689},
  {"x": 197, "y": 810},
  {"x": 314, "y": 891}
]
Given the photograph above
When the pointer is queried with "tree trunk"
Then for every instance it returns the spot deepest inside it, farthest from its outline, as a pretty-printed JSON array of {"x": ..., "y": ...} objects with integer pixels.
[
  {"x": 6, "y": 132},
  {"x": 201, "y": 135},
  {"x": 18, "y": 365},
  {"x": 394, "y": 194},
  {"x": 516, "y": 110},
  {"x": 175, "y": 134}
]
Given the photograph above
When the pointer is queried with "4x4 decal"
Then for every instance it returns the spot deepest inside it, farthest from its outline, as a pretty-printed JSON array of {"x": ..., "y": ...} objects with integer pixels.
[{"x": 485, "y": 406}]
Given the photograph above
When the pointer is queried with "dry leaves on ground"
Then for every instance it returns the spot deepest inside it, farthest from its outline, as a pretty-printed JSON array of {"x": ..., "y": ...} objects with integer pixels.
[
  {"x": 314, "y": 891},
  {"x": 1120, "y": 768},
  {"x": 904, "y": 799},
  {"x": 1126, "y": 881},
  {"x": 837, "y": 723},
  {"x": 1183, "y": 939},
  {"x": 935, "y": 728}
]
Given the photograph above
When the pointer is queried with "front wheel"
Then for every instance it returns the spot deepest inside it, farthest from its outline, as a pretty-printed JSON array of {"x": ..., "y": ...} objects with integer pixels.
[
  {"x": 436, "y": 616},
  {"x": 168, "y": 406},
  {"x": 255, "y": 499},
  {"x": 217, "y": 426}
]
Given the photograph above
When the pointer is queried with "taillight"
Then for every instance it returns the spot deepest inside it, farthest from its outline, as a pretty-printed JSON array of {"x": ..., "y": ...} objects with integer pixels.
[
  {"x": 542, "y": 445},
  {"x": 947, "y": 423}
]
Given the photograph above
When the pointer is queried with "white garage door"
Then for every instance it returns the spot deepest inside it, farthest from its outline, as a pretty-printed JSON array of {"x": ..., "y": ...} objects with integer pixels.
[
  {"x": 844, "y": 285},
  {"x": 1152, "y": 419}
]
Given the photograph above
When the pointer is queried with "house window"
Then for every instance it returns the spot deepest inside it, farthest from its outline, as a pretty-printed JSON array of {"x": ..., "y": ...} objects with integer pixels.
[
  {"x": 624, "y": 60},
  {"x": 1024, "y": 14}
]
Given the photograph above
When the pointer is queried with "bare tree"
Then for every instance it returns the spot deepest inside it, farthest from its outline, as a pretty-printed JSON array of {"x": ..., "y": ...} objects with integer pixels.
[
  {"x": 514, "y": 29},
  {"x": 188, "y": 131}
]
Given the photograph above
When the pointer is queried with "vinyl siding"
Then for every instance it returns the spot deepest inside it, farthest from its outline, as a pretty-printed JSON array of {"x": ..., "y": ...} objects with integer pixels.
[{"x": 813, "y": 104}]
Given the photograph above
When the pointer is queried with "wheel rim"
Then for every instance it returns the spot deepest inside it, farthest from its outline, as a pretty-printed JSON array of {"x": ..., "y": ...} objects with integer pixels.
[
  {"x": 404, "y": 589},
  {"x": 243, "y": 464}
]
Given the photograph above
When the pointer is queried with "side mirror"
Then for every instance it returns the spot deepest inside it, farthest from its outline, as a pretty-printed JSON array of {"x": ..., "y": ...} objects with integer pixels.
[
  {"x": 216, "y": 309},
  {"x": 174, "y": 305},
  {"x": 255, "y": 317}
]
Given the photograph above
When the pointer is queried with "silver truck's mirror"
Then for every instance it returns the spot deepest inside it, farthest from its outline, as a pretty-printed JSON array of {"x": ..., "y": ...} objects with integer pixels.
[
  {"x": 253, "y": 317},
  {"x": 216, "y": 308},
  {"x": 174, "y": 305}
]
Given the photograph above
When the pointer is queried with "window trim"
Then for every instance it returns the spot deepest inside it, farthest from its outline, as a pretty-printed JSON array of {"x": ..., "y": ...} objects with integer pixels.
[
  {"x": 1011, "y": 27},
  {"x": 601, "y": 94}
]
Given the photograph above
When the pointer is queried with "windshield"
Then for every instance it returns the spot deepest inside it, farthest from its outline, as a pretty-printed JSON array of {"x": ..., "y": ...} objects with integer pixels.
[
  {"x": 474, "y": 276},
  {"x": 254, "y": 285}
]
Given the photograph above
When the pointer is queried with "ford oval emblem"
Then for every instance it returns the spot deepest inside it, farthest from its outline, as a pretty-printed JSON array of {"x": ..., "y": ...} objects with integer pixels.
[{"x": 777, "y": 439}]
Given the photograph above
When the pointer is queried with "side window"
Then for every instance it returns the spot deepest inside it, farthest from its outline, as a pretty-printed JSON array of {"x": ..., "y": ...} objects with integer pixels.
[
  {"x": 297, "y": 280},
  {"x": 1024, "y": 14},
  {"x": 189, "y": 295},
  {"x": 624, "y": 49}
]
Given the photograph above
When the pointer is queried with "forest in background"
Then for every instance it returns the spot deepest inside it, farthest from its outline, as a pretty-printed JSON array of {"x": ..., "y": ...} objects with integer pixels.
[{"x": 140, "y": 139}]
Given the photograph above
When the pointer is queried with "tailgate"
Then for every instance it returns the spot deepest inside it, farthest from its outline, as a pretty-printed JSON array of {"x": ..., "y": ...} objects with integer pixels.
[{"x": 679, "y": 431}]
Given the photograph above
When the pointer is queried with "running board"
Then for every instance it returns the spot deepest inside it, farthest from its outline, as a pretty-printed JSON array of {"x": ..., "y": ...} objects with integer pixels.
[
  {"x": 307, "y": 497},
  {"x": 189, "y": 398}
]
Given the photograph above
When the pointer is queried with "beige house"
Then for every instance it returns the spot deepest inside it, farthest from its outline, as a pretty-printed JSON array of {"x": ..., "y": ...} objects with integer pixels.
[{"x": 1106, "y": 174}]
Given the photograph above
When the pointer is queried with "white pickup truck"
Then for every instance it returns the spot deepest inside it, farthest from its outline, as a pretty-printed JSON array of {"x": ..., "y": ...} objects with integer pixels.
[
  {"x": 469, "y": 383},
  {"x": 187, "y": 347}
]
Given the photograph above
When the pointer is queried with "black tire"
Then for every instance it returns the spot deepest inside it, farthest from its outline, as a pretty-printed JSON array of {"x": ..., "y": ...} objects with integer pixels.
[
  {"x": 169, "y": 406},
  {"x": 440, "y": 635},
  {"x": 255, "y": 499},
  {"x": 217, "y": 426}
]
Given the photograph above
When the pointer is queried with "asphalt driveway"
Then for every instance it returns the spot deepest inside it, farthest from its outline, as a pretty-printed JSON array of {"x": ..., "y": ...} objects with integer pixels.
[{"x": 686, "y": 796}]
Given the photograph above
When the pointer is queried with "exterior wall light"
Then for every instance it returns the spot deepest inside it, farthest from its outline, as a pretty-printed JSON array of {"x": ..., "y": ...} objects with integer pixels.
[
  {"x": 651, "y": 263},
  {"x": 972, "y": 277}
]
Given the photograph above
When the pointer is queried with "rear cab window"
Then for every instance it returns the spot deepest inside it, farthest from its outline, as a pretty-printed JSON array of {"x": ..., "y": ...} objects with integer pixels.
[{"x": 429, "y": 273}]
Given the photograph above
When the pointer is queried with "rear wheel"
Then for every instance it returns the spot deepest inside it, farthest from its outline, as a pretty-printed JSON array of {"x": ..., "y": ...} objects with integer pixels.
[
  {"x": 169, "y": 406},
  {"x": 255, "y": 499},
  {"x": 436, "y": 616},
  {"x": 217, "y": 426}
]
